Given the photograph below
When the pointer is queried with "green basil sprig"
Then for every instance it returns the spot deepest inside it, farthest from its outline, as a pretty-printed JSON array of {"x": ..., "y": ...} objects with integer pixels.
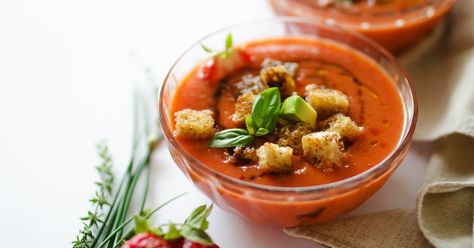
[
  {"x": 262, "y": 121},
  {"x": 265, "y": 112},
  {"x": 231, "y": 138}
]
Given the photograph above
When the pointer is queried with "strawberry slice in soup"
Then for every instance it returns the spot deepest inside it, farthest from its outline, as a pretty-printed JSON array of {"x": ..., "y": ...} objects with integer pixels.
[{"x": 220, "y": 66}]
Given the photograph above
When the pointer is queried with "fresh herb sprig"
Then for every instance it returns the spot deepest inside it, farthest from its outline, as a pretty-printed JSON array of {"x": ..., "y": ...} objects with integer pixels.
[
  {"x": 231, "y": 138},
  {"x": 94, "y": 217},
  {"x": 262, "y": 121},
  {"x": 105, "y": 227},
  {"x": 265, "y": 112},
  {"x": 224, "y": 53},
  {"x": 146, "y": 214}
]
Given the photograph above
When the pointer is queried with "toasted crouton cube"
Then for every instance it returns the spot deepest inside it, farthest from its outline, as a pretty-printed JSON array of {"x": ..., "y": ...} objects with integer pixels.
[
  {"x": 244, "y": 155},
  {"x": 277, "y": 76},
  {"x": 290, "y": 135},
  {"x": 194, "y": 124},
  {"x": 274, "y": 159},
  {"x": 344, "y": 125},
  {"x": 326, "y": 101},
  {"x": 243, "y": 107},
  {"x": 290, "y": 67},
  {"x": 251, "y": 83},
  {"x": 325, "y": 149}
]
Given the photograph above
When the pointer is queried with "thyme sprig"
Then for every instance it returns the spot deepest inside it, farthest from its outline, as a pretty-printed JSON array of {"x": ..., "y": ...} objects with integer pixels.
[
  {"x": 94, "y": 217},
  {"x": 104, "y": 225}
]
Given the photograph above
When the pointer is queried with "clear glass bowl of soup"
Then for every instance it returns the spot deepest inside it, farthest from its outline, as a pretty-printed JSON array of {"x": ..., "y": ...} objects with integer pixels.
[
  {"x": 395, "y": 24},
  {"x": 384, "y": 103}
]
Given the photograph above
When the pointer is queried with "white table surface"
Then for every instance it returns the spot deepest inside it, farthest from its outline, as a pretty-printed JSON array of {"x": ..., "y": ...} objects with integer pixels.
[{"x": 66, "y": 80}]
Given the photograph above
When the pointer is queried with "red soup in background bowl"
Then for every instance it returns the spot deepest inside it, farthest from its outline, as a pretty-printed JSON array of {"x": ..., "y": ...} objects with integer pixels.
[
  {"x": 379, "y": 101},
  {"x": 395, "y": 24}
]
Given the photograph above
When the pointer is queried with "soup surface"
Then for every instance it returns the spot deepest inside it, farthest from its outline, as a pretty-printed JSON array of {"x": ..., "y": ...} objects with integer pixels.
[
  {"x": 374, "y": 104},
  {"x": 368, "y": 6}
]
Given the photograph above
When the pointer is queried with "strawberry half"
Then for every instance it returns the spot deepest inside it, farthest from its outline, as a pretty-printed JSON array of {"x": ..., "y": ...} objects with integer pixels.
[
  {"x": 146, "y": 240},
  {"x": 217, "y": 67},
  {"x": 191, "y": 244}
]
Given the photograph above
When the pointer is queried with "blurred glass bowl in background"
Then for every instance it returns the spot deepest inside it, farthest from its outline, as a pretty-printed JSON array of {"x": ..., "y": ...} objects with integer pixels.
[{"x": 397, "y": 25}]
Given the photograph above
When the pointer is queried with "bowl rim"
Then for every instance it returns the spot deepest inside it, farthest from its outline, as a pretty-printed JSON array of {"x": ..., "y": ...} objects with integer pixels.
[
  {"x": 440, "y": 7},
  {"x": 348, "y": 183}
]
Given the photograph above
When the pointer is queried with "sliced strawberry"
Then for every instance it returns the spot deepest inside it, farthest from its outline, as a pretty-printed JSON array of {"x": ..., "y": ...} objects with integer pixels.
[
  {"x": 146, "y": 240},
  {"x": 207, "y": 69},
  {"x": 218, "y": 66},
  {"x": 191, "y": 244}
]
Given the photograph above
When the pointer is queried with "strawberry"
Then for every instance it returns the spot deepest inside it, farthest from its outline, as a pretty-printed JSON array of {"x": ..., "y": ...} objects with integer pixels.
[
  {"x": 191, "y": 244},
  {"x": 219, "y": 66},
  {"x": 146, "y": 240}
]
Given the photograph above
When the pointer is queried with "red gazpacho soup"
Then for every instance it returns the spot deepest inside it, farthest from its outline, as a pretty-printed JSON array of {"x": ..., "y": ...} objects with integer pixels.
[
  {"x": 395, "y": 24},
  {"x": 288, "y": 112}
]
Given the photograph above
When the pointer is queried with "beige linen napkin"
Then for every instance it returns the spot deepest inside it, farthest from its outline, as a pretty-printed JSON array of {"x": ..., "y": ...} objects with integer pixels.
[
  {"x": 395, "y": 228},
  {"x": 444, "y": 79},
  {"x": 445, "y": 204}
]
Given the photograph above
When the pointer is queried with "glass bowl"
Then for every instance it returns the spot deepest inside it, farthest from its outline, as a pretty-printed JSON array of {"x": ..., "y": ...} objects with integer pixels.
[
  {"x": 288, "y": 206},
  {"x": 396, "y": 30}
]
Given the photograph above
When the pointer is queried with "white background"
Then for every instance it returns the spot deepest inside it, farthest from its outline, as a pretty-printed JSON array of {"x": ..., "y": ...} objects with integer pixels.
[{"x": 66, "y": 80}]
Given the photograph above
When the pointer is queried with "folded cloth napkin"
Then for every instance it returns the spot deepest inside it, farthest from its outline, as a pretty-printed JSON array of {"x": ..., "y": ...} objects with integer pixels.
[
  {"x": 445, "y": 204},
  {"x": 444, "y": 79},
  {"x": 395, "y": 228}
]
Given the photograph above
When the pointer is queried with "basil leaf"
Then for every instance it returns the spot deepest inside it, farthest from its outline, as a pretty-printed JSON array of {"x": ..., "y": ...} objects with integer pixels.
[
  {"x": 196, "y": 235},
  {"x": 249, "y": 124},
  {"x": 231, "y": 138},
  {"x": 261, "y": 131},
  {"x": 272, "y": 124},
  {"x": 266, "y": 108},
  {"x": 258, "y": 111}
]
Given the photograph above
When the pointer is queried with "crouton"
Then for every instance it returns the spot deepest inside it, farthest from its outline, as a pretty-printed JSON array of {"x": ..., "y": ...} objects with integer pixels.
[
  {"x": 250, "y": 83},
  {"x": 244, "y": 155},
  {"x": 277, "y": 76},
  {"x": 243, "y": 107},
  {"x": 342, "y": 124},
  {"x": 311, "y": 87},
  {"x": 194, "y": 124},
  {"x": 274, "y": 159},
  {"x": 290, "y": 67},
  {"x": 325, "y": 149},
  {"x": 326, "y": 101},
  {"x": 290, "y": 135}
]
